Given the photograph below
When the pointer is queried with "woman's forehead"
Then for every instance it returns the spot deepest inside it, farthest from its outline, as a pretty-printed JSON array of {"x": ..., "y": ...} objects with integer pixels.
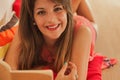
[{"x": 45, "y": 3}]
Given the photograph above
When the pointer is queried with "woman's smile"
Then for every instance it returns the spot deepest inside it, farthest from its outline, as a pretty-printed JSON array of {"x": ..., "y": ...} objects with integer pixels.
[
  {"x": 50, "y": 18},
  {"x": 53, "y": 27}
]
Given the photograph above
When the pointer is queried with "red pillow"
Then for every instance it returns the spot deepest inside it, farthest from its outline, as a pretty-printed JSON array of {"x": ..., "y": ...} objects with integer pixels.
[{"x": 16, "y": 7}]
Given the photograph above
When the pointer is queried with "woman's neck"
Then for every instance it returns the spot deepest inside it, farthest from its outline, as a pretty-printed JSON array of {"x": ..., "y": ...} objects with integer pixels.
[
  {"x": 49, "y": 42},
  {"x": 50, "y": 47}
]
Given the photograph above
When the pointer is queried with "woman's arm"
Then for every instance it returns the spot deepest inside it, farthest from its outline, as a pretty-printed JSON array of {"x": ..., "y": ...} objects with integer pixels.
[
  {"x": 81, "y": 50},
  {"x": 12, "y": 53},
  {"x": 84, "y": 10},
  {"x": 75, "y": 5}
]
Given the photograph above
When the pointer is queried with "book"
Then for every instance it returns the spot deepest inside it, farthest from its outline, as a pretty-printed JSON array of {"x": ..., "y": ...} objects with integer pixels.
[{"x": 7, "y": 74}]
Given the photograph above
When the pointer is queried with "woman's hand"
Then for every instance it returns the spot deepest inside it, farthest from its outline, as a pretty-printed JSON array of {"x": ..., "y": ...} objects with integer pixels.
[{"x": 68, "y": 72}]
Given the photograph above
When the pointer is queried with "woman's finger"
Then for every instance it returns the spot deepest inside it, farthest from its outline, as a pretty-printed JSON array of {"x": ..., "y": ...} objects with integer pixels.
[
  {"x": 72, "y": 65},
  {"x": 63, "y": 69},
  {"x": 73, "y": 70},
  {"x": 60, "y": 75}
]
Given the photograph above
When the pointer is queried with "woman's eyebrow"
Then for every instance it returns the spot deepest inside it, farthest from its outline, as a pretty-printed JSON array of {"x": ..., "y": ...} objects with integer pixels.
[
  {"x": 57, "y": 5},
  {"x": 39, "y": 8}
]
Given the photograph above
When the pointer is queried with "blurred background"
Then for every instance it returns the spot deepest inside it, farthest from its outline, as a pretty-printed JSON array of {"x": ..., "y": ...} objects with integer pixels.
[{"x": 107, "y": 17}]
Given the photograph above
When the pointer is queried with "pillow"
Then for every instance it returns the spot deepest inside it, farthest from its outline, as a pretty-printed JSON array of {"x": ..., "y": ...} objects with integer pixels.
[
  {"x": 16, "y": 7},
  {"x": 6, "y": 11},
  {"x": 7, "y": 33},
  {"x": 3, "y": 50}
]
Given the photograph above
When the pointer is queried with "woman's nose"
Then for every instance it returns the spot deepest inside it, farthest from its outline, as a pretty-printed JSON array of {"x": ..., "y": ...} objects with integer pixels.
[{"x": 52, "y": 18}]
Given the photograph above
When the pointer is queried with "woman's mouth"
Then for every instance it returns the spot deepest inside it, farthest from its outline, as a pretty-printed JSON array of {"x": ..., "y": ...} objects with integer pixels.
[{"x": 53, "y": 27}]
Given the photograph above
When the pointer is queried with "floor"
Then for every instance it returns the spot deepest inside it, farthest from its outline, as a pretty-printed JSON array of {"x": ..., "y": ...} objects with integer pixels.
[{"x": 107, "y": 17}]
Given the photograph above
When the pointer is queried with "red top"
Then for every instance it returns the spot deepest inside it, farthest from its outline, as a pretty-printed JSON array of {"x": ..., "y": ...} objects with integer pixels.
[{"x": 79, "y": 21}]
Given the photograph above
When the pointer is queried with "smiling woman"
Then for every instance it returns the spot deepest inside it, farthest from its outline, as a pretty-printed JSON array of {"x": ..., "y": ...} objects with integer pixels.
[
  {"x": 48, "y": 36},
  {"x": 51, "y": 20},
  {"x": 45, "y": 30}
]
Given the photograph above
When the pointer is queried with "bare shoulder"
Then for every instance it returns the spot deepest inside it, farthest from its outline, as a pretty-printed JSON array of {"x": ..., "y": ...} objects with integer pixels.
[
  {"x": 83, "y": 31},
  {"x": 82, "y": 38}
]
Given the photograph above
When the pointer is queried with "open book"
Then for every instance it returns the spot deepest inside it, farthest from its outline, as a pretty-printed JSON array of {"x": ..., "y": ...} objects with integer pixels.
[{"x": 7, "y": 74}]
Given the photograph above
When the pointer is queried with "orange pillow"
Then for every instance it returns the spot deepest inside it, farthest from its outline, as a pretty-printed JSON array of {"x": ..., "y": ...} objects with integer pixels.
[
  {"x": 7, "y": 33},
  {"x": 7, "y": 36},
  {"x": 5, "y": 39}
]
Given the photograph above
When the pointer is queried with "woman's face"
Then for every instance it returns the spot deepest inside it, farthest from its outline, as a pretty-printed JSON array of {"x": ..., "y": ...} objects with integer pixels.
[{"x": 51, "y": 18}]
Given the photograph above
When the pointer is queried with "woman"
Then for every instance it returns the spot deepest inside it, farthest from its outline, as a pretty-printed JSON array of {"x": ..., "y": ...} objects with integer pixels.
[
  {"x": 46, "y": 30},
  {"x": 49, "y": 36}
]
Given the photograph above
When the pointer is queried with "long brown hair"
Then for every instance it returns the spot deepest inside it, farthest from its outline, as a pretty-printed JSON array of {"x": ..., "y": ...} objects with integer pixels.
[{"x": 32, "y": 40}]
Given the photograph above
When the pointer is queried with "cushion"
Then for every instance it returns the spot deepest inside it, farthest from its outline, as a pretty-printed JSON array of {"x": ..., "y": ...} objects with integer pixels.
[
  {"x": 6, "y": 11},
  {"x": 16, "y": 7},
  {"x": 7, "y": 33},
  {"x": 3, "y": 50}
]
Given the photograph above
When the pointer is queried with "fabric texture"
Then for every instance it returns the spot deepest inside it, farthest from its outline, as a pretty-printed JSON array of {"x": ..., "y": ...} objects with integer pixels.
[
  {"x": 6, "y": 11},
  {"x": 94, "y": 69},
  {"x": 5, "y": 39},
  {"x": 7, "y": 33},
  {"x": 16, "y": 7},
  {"x": 3, "y": 50}
]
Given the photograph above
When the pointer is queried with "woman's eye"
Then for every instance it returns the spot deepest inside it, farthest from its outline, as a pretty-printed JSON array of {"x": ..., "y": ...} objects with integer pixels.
[
  {"x": 41, "y": 13},
  {"x": 57, "y": 9}
]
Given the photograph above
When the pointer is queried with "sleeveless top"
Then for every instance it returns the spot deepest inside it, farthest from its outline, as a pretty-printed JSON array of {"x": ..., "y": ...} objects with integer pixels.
[{"x": 79, "y": 20}]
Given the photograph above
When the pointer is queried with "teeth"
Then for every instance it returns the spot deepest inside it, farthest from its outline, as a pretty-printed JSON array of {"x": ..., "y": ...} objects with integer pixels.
[{"x": 52, "y": 26}]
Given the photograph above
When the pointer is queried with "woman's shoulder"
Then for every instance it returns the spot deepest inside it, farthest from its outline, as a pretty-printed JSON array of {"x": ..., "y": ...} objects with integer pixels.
[
  {"x": 80, "y": 25},
  {"x": 82, "y": 21},
  {"x": 82, "y": 31}
]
